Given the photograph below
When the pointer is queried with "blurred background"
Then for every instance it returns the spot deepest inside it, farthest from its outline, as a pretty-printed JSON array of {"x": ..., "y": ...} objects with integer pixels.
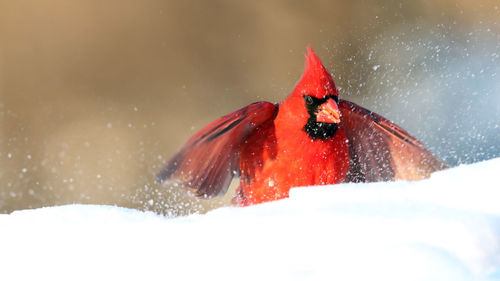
[{"x": 96, "y": 95}]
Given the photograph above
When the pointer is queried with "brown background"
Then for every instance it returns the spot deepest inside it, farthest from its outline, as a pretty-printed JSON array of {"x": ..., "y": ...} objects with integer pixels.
[{"x": 96, "y": 95}]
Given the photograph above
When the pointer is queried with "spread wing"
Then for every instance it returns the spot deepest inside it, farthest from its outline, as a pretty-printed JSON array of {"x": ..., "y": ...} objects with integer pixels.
[
  {"x": 208, "y": 161},
  {"x": 381, "y": 150}
]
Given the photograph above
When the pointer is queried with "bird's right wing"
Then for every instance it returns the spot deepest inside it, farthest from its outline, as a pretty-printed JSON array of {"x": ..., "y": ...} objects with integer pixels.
[
  {"x": 381, "y": 150},
  {"x": 208, "y": 161}
]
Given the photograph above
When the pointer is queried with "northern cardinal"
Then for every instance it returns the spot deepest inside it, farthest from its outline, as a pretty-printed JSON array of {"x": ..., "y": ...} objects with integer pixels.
[{"x": 310, "y": 138}]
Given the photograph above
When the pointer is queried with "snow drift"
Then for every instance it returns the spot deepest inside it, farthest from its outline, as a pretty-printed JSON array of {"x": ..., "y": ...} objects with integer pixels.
[{"x": 443, "y": 228}]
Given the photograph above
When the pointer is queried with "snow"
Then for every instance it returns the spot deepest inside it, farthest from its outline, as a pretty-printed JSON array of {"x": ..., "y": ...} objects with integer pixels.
[{"x": 443, "y": 228}]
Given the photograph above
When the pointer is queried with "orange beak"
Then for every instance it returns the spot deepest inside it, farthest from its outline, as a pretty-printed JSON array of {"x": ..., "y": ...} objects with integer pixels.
[{"x": 328, "y": 112}]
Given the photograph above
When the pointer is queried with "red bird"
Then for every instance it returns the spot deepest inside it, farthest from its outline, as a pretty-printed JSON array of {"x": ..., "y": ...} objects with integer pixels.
[{"x": 310, "y": 138}]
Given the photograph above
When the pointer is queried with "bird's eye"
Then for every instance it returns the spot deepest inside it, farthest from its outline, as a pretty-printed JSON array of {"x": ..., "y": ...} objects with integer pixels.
[{"x": 309, "y": 100}]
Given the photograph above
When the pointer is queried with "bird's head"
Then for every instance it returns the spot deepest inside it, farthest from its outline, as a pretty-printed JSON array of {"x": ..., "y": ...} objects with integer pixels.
[{"x": 315, "y": 99}]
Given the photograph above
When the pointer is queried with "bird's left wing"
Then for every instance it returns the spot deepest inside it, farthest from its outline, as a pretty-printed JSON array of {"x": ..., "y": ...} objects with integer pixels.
[
  {"x": 381, "y": 150},
  {"x": 208, "y": 161}
]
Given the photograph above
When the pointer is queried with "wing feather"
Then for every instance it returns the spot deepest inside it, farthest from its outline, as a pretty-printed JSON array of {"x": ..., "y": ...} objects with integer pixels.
[
  {"x": 381, "y": 150},
  {"x": 206, "y": 164}
]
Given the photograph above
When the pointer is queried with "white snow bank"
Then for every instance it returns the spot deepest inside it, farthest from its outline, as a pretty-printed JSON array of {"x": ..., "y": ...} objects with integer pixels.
[{"x": 444, "y": 228}]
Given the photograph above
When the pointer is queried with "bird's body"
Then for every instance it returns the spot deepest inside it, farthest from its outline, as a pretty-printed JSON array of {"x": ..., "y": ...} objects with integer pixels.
[
  {"x": 270, "y": 166},
  {"x": 310, "y": 138}
]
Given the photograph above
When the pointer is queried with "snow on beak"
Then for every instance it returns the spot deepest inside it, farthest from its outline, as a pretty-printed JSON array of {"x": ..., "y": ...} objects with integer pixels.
[{"x": 328, "y": 112}]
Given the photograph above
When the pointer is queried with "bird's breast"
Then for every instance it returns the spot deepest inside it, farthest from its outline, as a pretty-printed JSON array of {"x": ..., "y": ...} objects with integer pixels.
[{"x": 275, "y": 159}]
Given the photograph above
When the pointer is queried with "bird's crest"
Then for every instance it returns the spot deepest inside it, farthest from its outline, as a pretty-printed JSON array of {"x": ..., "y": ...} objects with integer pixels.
[{"x": 316, "y": 80}]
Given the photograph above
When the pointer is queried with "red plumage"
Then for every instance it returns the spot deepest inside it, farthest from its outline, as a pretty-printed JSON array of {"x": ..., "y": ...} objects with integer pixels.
[{"x": 310, "y": 138}]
